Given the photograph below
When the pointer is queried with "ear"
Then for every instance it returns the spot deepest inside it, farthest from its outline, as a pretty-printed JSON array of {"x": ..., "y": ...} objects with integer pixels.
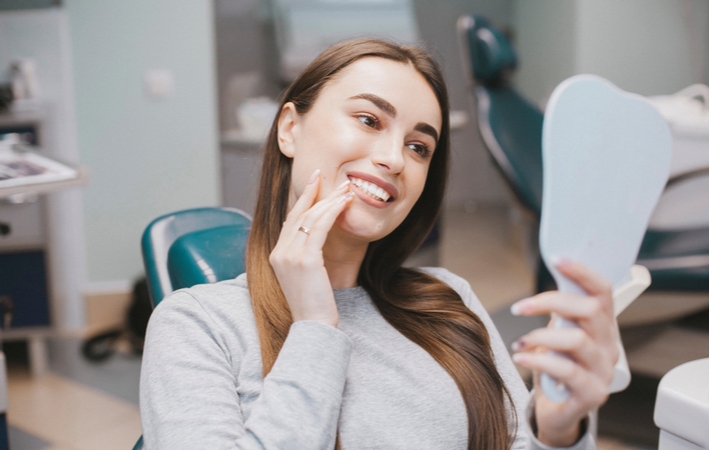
[{"x": 287, "y": 129}]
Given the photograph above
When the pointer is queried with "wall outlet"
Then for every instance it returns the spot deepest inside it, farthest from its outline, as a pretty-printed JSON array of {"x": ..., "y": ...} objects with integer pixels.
[{"x": 159, "y": 84}]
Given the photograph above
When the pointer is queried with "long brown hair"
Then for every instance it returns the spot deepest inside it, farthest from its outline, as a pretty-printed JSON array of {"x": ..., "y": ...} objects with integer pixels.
[{"x": 422, "y": 308}]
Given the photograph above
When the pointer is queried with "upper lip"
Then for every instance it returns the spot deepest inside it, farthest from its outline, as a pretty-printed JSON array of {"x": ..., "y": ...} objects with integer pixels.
[{"x": 388, "y": 187}]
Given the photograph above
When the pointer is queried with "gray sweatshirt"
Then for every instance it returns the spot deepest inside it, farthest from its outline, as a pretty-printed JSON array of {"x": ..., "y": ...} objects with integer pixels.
[{"x": 202, "y": 384}]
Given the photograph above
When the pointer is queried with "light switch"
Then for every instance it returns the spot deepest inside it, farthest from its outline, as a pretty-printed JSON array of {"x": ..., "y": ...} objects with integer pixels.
[{"x": 159, "y": 84}]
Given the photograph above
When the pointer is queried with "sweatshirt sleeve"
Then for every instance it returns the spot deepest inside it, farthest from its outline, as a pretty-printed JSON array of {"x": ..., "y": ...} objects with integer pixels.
[
  {"x": 524, "y": 437},
  {"x": 188, "y": 392}
]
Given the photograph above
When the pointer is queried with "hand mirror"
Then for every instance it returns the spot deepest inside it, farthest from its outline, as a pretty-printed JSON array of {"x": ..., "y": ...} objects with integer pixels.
[{"x": 606, "y": 159}]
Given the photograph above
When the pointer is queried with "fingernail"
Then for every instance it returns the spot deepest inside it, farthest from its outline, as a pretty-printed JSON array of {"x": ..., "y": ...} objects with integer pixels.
[
  {"x": 346, "y": 197},
  {"x": 345, "y": 183},
  {"x": 515, "y": 309},
  {"x": 517, "y": 345},
  {"x": 520, "y": 358},
  {"x": 521, "y": 307},
  {"x": 562, "y": 262},
  {"x": 314, "y": 177}
]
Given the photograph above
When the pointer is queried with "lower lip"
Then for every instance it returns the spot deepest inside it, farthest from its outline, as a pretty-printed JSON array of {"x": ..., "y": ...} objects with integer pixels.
[{"x": 369, "y": 200}]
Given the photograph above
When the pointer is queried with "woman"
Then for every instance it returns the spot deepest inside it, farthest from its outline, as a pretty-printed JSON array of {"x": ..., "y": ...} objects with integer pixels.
[{"x": 331, "y": 343}]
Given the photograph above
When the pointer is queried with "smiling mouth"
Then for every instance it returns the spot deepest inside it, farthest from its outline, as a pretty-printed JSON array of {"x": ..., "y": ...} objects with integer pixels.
[{"x": 371, "y": 189}]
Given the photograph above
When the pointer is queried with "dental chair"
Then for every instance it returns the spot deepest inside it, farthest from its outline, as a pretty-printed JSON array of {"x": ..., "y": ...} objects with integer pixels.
[
  {"x": 194, "y": 246},
  {"x": 511, "y": 128}
]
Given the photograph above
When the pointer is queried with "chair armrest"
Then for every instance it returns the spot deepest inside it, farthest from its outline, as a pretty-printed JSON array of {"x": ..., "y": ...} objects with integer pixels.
[{"x": 635, "y": 282}]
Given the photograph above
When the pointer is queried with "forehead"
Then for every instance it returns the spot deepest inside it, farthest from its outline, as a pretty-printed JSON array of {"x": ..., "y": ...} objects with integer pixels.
[{"x": 398, "y": 83}]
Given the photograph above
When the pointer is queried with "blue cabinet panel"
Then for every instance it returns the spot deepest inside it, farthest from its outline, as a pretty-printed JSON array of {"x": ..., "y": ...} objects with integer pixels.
[{"x": 23, "y": 277}]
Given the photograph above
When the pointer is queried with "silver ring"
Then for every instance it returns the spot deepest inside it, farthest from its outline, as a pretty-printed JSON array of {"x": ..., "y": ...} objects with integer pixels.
[{"x": 305, "y": 230}]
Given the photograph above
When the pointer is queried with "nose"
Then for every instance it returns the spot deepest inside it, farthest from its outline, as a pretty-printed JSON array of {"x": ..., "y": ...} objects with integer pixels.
[{"x": 388, "y": 154}]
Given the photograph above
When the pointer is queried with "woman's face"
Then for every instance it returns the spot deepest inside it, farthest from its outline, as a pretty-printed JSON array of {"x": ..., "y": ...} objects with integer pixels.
[{"x": 377, "y": 124}]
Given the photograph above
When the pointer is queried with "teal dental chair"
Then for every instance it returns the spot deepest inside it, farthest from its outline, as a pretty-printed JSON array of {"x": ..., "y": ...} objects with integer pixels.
[
  {"x": 511, "y": 128},
  {"x": 194, "y": 246}
]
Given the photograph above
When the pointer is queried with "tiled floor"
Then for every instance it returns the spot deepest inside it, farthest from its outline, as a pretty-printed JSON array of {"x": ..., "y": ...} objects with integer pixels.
[
  {"x": 67, "y": 415},
  {"x": 84, "y": 406}
]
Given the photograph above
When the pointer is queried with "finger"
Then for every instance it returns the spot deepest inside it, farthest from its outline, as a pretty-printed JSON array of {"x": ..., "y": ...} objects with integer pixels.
[
  {"x": 586, "y": 312},
  {"x": 582, "y": 384},
  {"x": 589, "y": 280},
  {"x": 310, "y": 217},
  {"x": 322, "y": 217},
  {"x": 573, "y": 342},
  {"x": 571, "y": 306},
  {"x": 307, "y": 198},
  {"x": 327, "y": 219},
  {"x": 305, "y": 246}
]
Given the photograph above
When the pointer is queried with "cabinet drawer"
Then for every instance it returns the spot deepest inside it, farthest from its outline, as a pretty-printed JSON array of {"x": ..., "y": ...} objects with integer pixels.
[
  {"x": 23, "y": 277},
  {"x": 26, "y": 221}
]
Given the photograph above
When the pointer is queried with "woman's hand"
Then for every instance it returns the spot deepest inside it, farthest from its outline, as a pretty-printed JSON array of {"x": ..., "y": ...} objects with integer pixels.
[
  {"x": 591, "y": 348},
  {"x": 297, "y": 258}
]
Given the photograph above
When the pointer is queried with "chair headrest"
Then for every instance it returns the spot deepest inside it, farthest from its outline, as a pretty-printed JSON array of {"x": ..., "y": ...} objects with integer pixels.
[
  {"x": 490, "y": 52},
  {"x": 208, "y": 256}
]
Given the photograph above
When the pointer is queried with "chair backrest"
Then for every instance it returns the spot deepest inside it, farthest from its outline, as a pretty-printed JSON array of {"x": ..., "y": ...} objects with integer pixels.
[
  {"x": 511, "y": 126},
  {"x": 678, "y": 260},
  {"x": 194, "y": 246},
  {"x": 488, "y": 53}
]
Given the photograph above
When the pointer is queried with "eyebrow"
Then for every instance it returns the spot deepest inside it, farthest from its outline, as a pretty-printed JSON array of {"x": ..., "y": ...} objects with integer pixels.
[
  {"x": 380, "y": 102},
  {"x": 391, "y": 111},
  {"x": 427, "y": 129}
]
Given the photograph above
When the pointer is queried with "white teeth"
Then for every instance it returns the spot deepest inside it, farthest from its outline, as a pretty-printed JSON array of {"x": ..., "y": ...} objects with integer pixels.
[{"x": 371, "y": 188}]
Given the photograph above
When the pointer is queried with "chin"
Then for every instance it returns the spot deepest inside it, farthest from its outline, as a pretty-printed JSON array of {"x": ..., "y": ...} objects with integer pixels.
[{"x": 361, "y": 226}]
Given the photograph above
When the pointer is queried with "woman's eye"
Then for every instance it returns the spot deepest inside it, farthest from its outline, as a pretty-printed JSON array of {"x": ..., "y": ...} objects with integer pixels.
[
  {"x": 420, "y": 149},
  {"x": 370, "y": 121}
]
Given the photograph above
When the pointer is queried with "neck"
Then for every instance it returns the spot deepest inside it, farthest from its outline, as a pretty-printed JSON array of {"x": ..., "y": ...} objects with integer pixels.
[{"x": 343, "y": 258}]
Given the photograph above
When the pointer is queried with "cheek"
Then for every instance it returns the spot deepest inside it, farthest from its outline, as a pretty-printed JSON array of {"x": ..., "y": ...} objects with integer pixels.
[
  {"x": 300, "y": 173},
  {"x": 340, "y": 147},
  {"x": 344, "y": 142},
  {"x": 418, "y": 182}
]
